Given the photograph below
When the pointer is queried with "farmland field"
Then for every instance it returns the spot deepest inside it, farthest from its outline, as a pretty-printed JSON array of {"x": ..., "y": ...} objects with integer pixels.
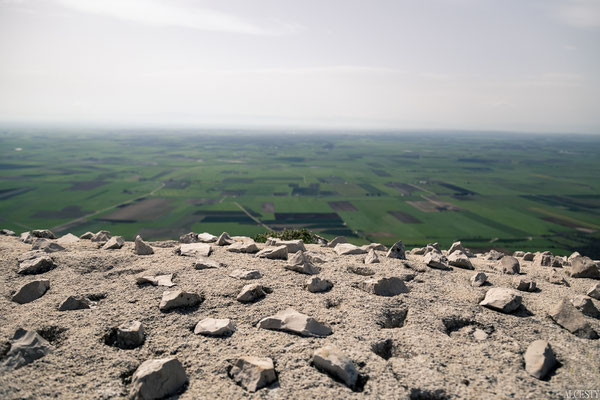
[{"x": 504, "y": 191}]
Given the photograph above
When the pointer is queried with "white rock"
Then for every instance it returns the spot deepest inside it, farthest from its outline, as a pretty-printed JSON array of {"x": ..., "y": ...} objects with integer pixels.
[
  {"x": 317, "y": 285},
  {"x": 539, "y": 359},
  {"x": 360, "y": 270},
  {"x": 298, "y": 262},
  {"x": 157, "y": 280},
  {"x": 43, "y": 233},
  {"x": 374, "y": 246},
  {"x": 74, "y": 303},
  {"x": 26, "y": 237},
  {"x": 384, "y": 286},
  {"x": 25, "y": 347},
  {"x": 509, "y": 265},
  {"x": 88, "y": 235},
  {"x": 397, "y": 251},
  {"x": 273, "y": 253},
  {"x": 478, "y": 279},
  {"x": 157, "y": 379},
  {"x": 224, "y": 239},
  {"x": 594, "y": 291},
  {"x": 205, "y": 263},
  {"x": 291, "y": 320},
  {"x": 141, "y": 248},
  {"x": 245, "y": 274},
  {"x": 177, "y": 298},
  {"x": 337, "y": 240},
  {"x": 502, "y": 299},
  {"x": 130, "y": 335},
  {"x": 115, "y": 242},
  {"x": 253, "y": 373},
  {"x": 331, "y": 360},
  {"x": 586, "y": 305},
  {"x": 524, "y": 284},
  {"x": 206, "y": 238},
  {"x": 344, "y": 249},
  {"x": 459, "y": 259},
  {"x": 371, "y": 258},
  {"x": 101, "y": 236},
  {"x": 31, "y": 291},
  {"x": 292, "y": 246},
  {"x": 435, "y": 260},
  {"x": 46, "y": 245},
  {"x": 69, "y": 238},
  {"x": 36, "y": 265},
  {"x": 566, "y": 315},
  {"x": 215, "y": 327},
  {"x": 243, "y": 247},
  {"x": 194, "y": 250},
  {"x": 251, "y": 293}
]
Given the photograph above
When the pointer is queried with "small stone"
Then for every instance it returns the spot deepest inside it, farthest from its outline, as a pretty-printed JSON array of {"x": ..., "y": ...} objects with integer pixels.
[
  {"x": 493, "y": 255},
  {"x": 251, "y": 293},
  {"x": 318, "y": 285},
  {"x": 36, "y": 265},
  {"x": 345, "y": 249},
  {"x": 31, "y": 291},
  {"x": 43, "y": 233},
  {"x": 74, "y": 303},
  {"x": 524, "y": 284},
  {"x": 478, "y": 279},
  {"x": 316, "y": 257},
  {"x": 101, "y": 236},
  {"x": 190, "y": 237},
  {"x": 566, "y": 315},
  {"x": 253, "y": 373},
  {"x": 543, "y": 260},
  {"x": 480, "y": 334},
  {"x": 557, "y": 278},
  {"x": 292, "y": 246},
  {"x": 586, "y": 305},
  {"x": 337, "y": 240},
  {"x": 594, "y": 291},
  {"x": 88, "y": 235},
  {"x": 215, "y": 327},
  {"x": 331, "y": 360},
  {"x": 130, "y": 335},
  {"x": 518, "y": 254},
  {"x": 459, "y": 259},
  {"x": 243, "y": 247},
  {"x": 157, "y": 379},
  {"x": 206, "y": 238},
  {"x": 374, "y": 246},
  {"x": 436, "y": 261},
  {"x": 114, "y": 243},
  {"x": 292, "y": 321},
  {"x": 141, "y": 248},
  {"x": 69, "y": 238},
  {"x": 457, "y": 246},
  {"x": 25, "y": 347},
  {"x": 372, "y": 257},
  {"x": 7, "y": 232},
  {"x": 528, "y": 256},
  {"x": 584, "y": 267},
  {"x": 245, "y": 274},
  {"x": 539, "y": 359},
  {"x": 298, "y": 262},
  {"x": 502, "y": 299},
  {"x": 157, "y": 280},
  {"x": 274, "y": 253},
  {"x": 46, "y": 246},
  {"x": 384, "y": 286},
  {"x": 224, "y": 239},
  {"x": 26, "y": 237},
  {"x": 574, "y": 255},
  {"x": 194, "y": 250},
  {"x": 360, "y": 270},
  {"x": 172, "y": 299},
  {"x": 509, "y": 265},
  {"x": 205, "y": 263},
  {"x": 397, "y": 251}
]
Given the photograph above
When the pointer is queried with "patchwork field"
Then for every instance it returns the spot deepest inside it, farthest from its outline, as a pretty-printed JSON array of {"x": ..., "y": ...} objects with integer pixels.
[{"x": 504, "y": 191}]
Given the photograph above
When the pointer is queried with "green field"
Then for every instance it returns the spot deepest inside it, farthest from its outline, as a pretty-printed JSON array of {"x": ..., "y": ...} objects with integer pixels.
[{"x": 504, "y": 191}]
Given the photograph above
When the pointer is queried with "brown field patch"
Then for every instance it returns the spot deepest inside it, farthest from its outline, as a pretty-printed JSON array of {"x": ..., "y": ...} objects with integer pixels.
[
  {"x": 143, "y": 210},
  {"x": 405, "y": 217},
  {"x": 433, "y": 205},
  {"x": 268, "y": 207},
  {"x": 342, "y": 206}
]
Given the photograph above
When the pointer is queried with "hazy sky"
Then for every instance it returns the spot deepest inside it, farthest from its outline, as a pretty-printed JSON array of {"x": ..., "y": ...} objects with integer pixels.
[{"x": 428, "y": 64}]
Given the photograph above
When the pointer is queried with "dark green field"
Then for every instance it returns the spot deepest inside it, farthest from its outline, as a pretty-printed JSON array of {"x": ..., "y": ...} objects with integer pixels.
[{"x": 507, "y": 191}]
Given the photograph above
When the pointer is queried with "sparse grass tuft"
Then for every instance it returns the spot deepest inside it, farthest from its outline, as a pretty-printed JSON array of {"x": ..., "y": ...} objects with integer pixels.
[{"x": 287, "y": 234}]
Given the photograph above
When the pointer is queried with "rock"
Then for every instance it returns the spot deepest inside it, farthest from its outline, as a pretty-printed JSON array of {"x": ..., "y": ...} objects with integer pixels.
[
  {"x": 574, "y": 255},
  {"x": 372, "y": 257},
  {"x": 292, "y": 246},
  {"x": 493, "y": 255},
  {"x": 31, "y": 291},
  {"x": 69, "y": 238},
  {"x": 298, "y": 262},
  {"x": 433, "y": 247},
  {"x": 114, "y": 243},
  {"x": 584, "y": 267},
  {"x": 172, "y": 299},
  {"x": 556, "y": 278},
  {"x": 528, "y": 256},
  {"x": 245, "y": 274},
  {"x": 384, "y": 286},
  {"x": 274, "y": 253},
  {"x": 418, "y": 251},
  {"x": 524, "y": 284},
  {"x": 253, "y": 373},
  {"x": 224, "y": 239},
  {"x": 74, "y": 303},
  {"x": 502, "y": 299},
  {"x": 26, "y": 237},
  {"x": 88, "y": 235},
  {"x": 480, "y": 334},
  {"x": 206, "y": 238},
  {"x": 43, "y": 233},
  {"x": 397, "y": 251},
  {"x": 594, "y": 291},
  {"x": 457, "y": 246},
  {"x": 205, "y": 263},
  {"x": 130, "y": 335},
  {"x": 251, "y": 293},
  {"x": 331, "y": 360},
  {"x": 539, "y": 359},
  {"x": 317, "y": 285},
  {"x": 459, "y": 259},
  {"x": 337, "y": 240},
  {"x": 190, "y": 237},
  {"x": 46, "y": 246},
  {"x": 519, "y": 254},
  {"x": 101, "y": 236},
  {"x": 478, "y": 279},
  {"x": 374, "y": 246},
  {"x": 543, "y": 260},
  {"x": 141, "y": 248},
  {"x": 586, "y": 306},
  {"x": 243, "y": 247},
  {"x": 36, "y": 265},
  {"x": 157, "y": 379},
  {"x": 316, "y": 257},
  {"x": 566, "y": 315},
  {"x": 436, "y": 261},
  {"x": 215, "y": 327},
  {"x": 157, "y": 280},
  {"x": 25, "y": 347},
  {"x": 509, "y": 265},
  {"x": 292, "y": 321},
  {"x": 360, "y": 270},
  {"x": 7, "y": 232},
  {"x": 194, "y": 250},
  {"x": 344, "y": 249}
]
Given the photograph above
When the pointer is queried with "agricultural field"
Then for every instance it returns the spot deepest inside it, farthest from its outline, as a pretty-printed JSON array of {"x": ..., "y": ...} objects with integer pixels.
[{"x": 503, "y": 191}]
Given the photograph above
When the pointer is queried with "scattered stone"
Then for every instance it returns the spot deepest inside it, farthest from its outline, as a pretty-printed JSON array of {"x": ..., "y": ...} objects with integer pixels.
[
  {"x": 31, "y": 291},
  {"x": 206, "y": 238},
  {"x": 69, "y": 238},
  {"x": 478, "y": 279},
  {"x": 114, "y": 243},
  {"x": 480, "y": 334},
  {"x": 245, "y": 274},
  {"x": 7, "y": 232},
  {"x": 215, "y": 327},
  {"x": 457, "y": 246},
  {"x": 528, "y": 256},
  {"x": 317, "y": 285},
  {"x": 243, "y": 247},
  {"x": 205, "y": 263},
  {"x": 26, "y": 237},
  {"x": 418, "y": 251},
  {"x": 46, "y": 246},
  {"x": 251, "y": 293},
  {"x": 172, "y": 299},
  {"x": 224, "y": 239},
  {"x": 292, "y": 321},
  {"x": 101, "y": 236},
  {"x": 459, "y": 259},
  {"x": 433, "y": 247},
  {"x": 253, "y": 373},
  {"x": 519, "y": 254},
  {"x": 566, "y": 315},
  {"x": 557, "y": 278},
  {"x": 43, "y": 233},
  {"x": 584, "y": 267},
  {"x": 509, "y": 265},
  {"x": 88, "y": 235},
  {"x": 292, "y": 246},
  {"x": 25, "y": 347},
  {"x": 74, "y": 303},
  {"x": 337, "y": 240},
  {"x": 372, "y": 257},
  {"x": 298, "y": 262},
  {"x": 141, "y": 248},
  {"x": 539, "y": 359},
  {"x": 194, "y": 250},
  {"x": 594, "y": 291},
  {"x": 130, "y": 335},
  {"x": 36, "y": 265},
  {"x": 543, "y": 260},
  {"x": 331, "y": 360},
  {"x": 274, "y": 253},
  {"x": 158, "y": 280},
  {"x": 374, "y": 246},
  {"x": 524, "y": 284},
  {"x": 502, "y": 299},
  {"x": 360, "y": 270},
  {"x": 493, "y": 255},
  {"x": 316, "y": 257},
  {"x": 585, "y": 305},
  {"x": 190, "y": 237},
  {"x": 384, "y": 286},
  {"x": 435, "y": 260},
  {"x": 157, "y": 379},
  {"x": 344, "y": 249},
  {"x": 397, "y": 251},
  {"x": 574, "y": 255}
]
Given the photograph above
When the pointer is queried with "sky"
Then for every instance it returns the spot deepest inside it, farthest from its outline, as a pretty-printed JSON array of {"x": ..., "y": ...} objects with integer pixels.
[{"x": 510, "y": 65}]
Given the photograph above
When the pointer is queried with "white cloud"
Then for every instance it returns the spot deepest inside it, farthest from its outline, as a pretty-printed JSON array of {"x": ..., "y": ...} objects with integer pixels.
[{"x": 579, "y": 13}]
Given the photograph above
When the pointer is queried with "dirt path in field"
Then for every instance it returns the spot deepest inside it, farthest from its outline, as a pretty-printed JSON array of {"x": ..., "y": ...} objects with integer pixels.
[{"x": 258, "y": 221}]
